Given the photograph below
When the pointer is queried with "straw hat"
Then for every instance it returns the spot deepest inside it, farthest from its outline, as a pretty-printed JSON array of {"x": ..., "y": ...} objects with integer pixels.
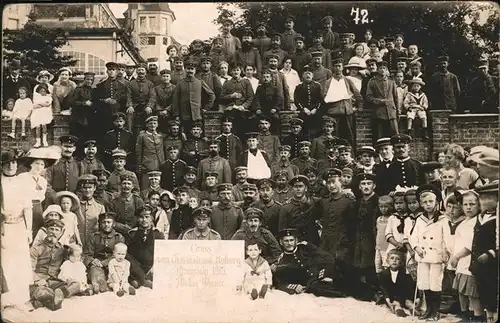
[
  {"x": 52, "y": 208},
  {"x": 47, "y": 154},
  {"x": 416, "y": 80},
  {"x": 75, "y": 201},
  {"x": 356, "y": 62},
  {"x": 44, "y": 73}
]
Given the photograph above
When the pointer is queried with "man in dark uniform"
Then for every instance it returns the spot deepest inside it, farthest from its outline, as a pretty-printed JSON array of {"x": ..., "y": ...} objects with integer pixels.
[
  {"x": 275, "y": 51},
  {"x": 210, "y": 78},
  {"x": 210, "y": 191},
  {"x": 240, "y": 176},
  {"x": 345, "y": 51},
  {"x": 283, "y": 191},
  {"x": 194, "y": 146},
  {"x": 14, "y": 81},
  {"x": 262, "y": 42},
  {"x": 301, "y": 57},
  {"x": 386, "y": 157},
  {"x": 294, "y": 137},
  {"x": 201, "y": 230},
  {"x": 319, "y": 71},
  {"x": 83, "y": 121},
  {"x": 288, "y": 36},
  {"x": 215, "y": 163},
  {"x": 392, "y": 55},
  {"x": 254, "y": 232},
  {"x": 119, "y": 161},
  {"x": 308, "y": 98},
  {"x": 190, "y": 182},
  {"x": 174, "y": 136},
  {"x": 318, "y": 47},
  {"x": 90, "y": 161},
  {"x": 314, "y": 185},
  {"x": 179, "y": 72},
  {"x": 120, "y": 138},
  {"x": 102, "y": 195},
  {"x": 405, "y": 170},
  {"x": 299, "y": 211},
  {"x": 195, "y": 52},
  {"x": 248, "y": 55},
  {"x": 331, "y": 159},
  {"x": 164, "y": 96},
  {"x": 121, "y": 74},
  {"x": 99, "y": 251},
  {"x": 283, "y": 164},
  {"x": 230, "y": 144},
  {"x": 331, "y": 39},
  {"x": 482, "y": 93},
  {"x": 111, "y": 97},
  {"x": 305, "y": 268},
  {"x": 154, "y": 177},
  {"x": 268, "y": 205},
  {"x": 250, "y": 195},
  {"x": 63, "y": 176},
  {"x": 345, "y": 157},
  {"x": 141, "y": 248},
  {"x": 172, "y": 170},
  {"x": 217, "y": 54},
  {"x": 129, "y": 72},
  {"x": 152, "y": 69},
  {"x": 182, "y": 217},
  {"x": 141, "y": 100},
  {"x": 304, "y": 158},
  {"x": 226, "y": 218}
]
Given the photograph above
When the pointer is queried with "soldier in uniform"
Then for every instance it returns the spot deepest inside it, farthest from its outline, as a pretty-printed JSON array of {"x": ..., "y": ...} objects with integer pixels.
[
  {"x": 230, "y": 144},
  {"x": 118, "y": 137},
  {"x": 268, "y": 142},
  {"x": 194, "y": 146},
  {"x": 125, "y": 205},
  {"x": 46, "y": 260},
  {"x": 301, "y": 57},
  {"x": 101, "y": 194},
  {"x": 119, "y": 161},
  {"x": 210, "y": 78},
  {"x": 154, "y": 185},
  {"x": 250, "y": 195},
  {"x": 299, "y": 212},
  {"x": 345, "y": 51},
  {"x": 305, "y": 268},
  {"x": 152, "y": 71},
  {"x": 182, "y": 216},
  {"x": 268, "y": 205},
  {"x": 90, "y": 162},
  {"x": 201, "y": 229},
  {"x": 172, "y": 170},
  {"x": 215, "y": 163},
  {"x": 345, "y": 157},
  {"x": 294, "y": 137},
  {"x": 99, "y": 251},
  {"x": 63, "y": 176},
  {"x": 226, "y": 218},
  {"x": 304, "y": 159},
  {"x": 332, "y": 154},
  {"x": 210, "y": 192},
  {"x": 326, "y": 54},
  {"x": 217, "y": 54},
  {"x": 262, "y": 42},
  {"x": 174, "y": 137},
  {"x": 111, "y": 97},
  {"x": 405, "y": 170},
  {"x": 283, "y": 164},
  {"x": 248, "y": 55},
  {"x": 141, "y": 100},
  {"x": 283, "y": 191},
  {"x": 120, "y": 75},
  {"x": 288, "y": 36},
  {"x": 164, "y": 96},
  {"x": 308, "y": 98},
  {"x": 190, "y": 181},
  {"x": 276, "y": 52},
  {"x": 331, "y": 39},
  {"x": 318, "y": 149},
  {"x": 241, "y": 175},
  {"x": 315, "y": 186},
  {"x": 129, "y": 72},
  {"x": 278, "y": 79},
  {"x": 141, "y": 248},
  {"x": 89, "y": 207},
  {"x": 255, "y": 159},
  {"x": 230, "y": 43},
  {"x": 254, "y": 232},
  {"x": 178, "y": 73}
]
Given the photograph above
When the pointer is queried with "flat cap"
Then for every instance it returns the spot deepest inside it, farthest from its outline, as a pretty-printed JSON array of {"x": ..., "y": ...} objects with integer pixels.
[
  {"x": 276, "y": 35},
  {"x": 248, "y": 187},
  {"x": 101, "y": 172},
  {"x": 430, "y": 166},
  {"x": 89, "y": 143},
  {"x": 288, "y": 232},
  {"x": 299, "y": 37},
  {"x": 247, "y": 32},
  {"x": 364, "y": 177},
  {"x": 272, "y": 56},
  {"x": 118, "y": 115},
  {"x": 368, "y": 150},
  {"x": 211, "y": 174},
  {"x": 180, "y": 189},
  {"x": 87, "y": 179},
  {"x": 299, "y": 179},
  {"x": 68, "y": 139},
  {"x": 54, "y": 223},
  {"x": 142, "y": 65},
  {"x": 328, "y": 120},
  {"x": 202, "y": 212},
  {"x": 317, "y": 54},
  {"x": 347, "y": 171},
  {"x": 296, "y": 122},
  {"x": 382, "y": 63},
  {"x": 253, "y": 212},
  {"x": 191, "y": 170},
  {"x": 151, "y": 118},
  {"x": 165, "y": 71},
  {"x": 144, "y": 208},
  {"x": 252, "y": 135},
  {"x": 119, "y": 153},
  {"x": 400, "y": 139},
  {"x": 383, "y": 142},
  {"x": 337, "y": 60},
  {"x": 304, "y": 144},
  {"x": 127, "y": 176},
  {"x": 281, "y": 173},
  {"x": 92, "y": 74},
  {"x": 429, "y": 188},
  {"x": 173, "y": 123},
  {"x": 206, "y": 59},
  {"x": 310, "y": 169},
  {"x": 154, "y": 174},
  {"x": 331, "y": 172},
  {"x": 107, "y": 215},
  {"x": 190, "y": 63},
  {"x": 227, "y": 119},
  {"x": 266, "y": 182},
  {"x": 111, "y": 66},
  {"x": 224, "y": 187},
  {"x": 240, "y": 168},
  {"x": 285, "y": 148}
]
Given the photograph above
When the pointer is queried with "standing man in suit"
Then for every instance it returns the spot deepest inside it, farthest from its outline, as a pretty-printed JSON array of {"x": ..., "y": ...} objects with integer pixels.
[
  {"x": 405, "y": 170},
  {"x": 248, "y": 55},
  {"x": 262, "y": 42},
  {"x": 381, "y": 93},
  {"x": 14, "y": 81},
  {"x": 288, "y": 37}
]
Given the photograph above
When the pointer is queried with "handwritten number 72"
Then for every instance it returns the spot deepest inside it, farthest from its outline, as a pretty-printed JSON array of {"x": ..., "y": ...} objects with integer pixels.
[{"x": 357, "y": 13}]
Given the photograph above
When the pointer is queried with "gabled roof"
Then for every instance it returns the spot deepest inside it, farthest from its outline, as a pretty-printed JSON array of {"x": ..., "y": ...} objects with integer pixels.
[{"x": 152, "y": 7}]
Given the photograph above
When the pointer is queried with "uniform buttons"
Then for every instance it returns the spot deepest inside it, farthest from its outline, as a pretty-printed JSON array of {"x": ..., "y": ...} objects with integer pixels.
[{"x": 424, "y": 237}]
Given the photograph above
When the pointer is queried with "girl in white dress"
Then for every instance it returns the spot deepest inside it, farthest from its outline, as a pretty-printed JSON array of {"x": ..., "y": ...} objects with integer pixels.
[
  {"x": 22, "y": 110},
  {"x": 42, "y": 114},
  {"x": 44, "y": 77},
  {"x": 70, "y": 204}
]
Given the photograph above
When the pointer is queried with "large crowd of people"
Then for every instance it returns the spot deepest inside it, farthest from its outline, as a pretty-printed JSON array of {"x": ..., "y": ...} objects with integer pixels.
[{"x": 317, "y": 213}]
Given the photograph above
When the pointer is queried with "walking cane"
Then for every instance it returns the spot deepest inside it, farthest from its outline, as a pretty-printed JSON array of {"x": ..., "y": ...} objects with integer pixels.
[{"x": 414, "y": 300}]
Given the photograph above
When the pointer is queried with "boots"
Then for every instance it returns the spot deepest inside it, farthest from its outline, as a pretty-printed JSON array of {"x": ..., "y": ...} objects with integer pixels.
[
  {"x": 44, "y": 140},
  {"x": 38, "y": 143},
  {"x": 263, "y": 291},
  {"x": 478, "y": 319},
  {"x": 434, "y": 316},
  {"x": 429, "y": 304},
  {"x": 254, "y": 294}
]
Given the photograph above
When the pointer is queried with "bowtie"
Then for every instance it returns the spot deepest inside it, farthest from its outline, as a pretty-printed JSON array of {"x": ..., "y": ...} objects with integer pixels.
[{"x": 254, "y": 273}]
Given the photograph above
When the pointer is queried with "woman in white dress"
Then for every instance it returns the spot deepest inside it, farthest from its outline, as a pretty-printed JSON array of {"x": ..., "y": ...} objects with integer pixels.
[
  {"x": 16, "y": 235},
  {"x": 291, "y": 77},
  {"x": 356, "y": 68}
]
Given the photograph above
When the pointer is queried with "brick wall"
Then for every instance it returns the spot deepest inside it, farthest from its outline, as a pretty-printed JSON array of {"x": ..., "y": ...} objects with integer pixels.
[{"x": 466, "y": 130}]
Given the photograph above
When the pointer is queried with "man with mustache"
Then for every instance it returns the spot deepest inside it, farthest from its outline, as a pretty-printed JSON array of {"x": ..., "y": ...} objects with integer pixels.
[
  {"x": 191, "y": 97},
  {"x": 83, "y": 121},
  {"x": 230, "y": 43},
  {"x": 101, "y": 194},
  {"x": 275, "y": 51},
  {"x": 283, "y": 164},
  {"x": 288, "y": 37},
  {"x": 256, "y": 160},
  {"x": 174, "y": 136},
  {"x": 46, "y": 259},
  {"x": 268, "y": 205},
  {"x": 241, "y": 175},
  {"x": 90, "y": 162},
  {"x": 249, "y": 195},
  {"x": 230, "y": 144},
  {"x": 226, "y": 218},
  {"x": 254, "y": 232},
  {"x": 262, "y": 42},
  {"x": 201, "y": 230},
  {"x": 215, "y": 163},
  {"x": 248, "y": 55},
  {"x": 141, "y": 100},
  {"x": 304, "y": 159},
  {"x": 152, "y": 74}
]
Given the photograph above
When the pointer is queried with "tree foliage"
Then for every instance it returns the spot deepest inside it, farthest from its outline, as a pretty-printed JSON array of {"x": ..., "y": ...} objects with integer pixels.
[
  {"x": 37, "y": 47},
  {"x": 453, "y": 28}
]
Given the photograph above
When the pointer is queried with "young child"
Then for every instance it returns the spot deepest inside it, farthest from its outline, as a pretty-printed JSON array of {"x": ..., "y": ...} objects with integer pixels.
[
  {"x": 395, "y": 230},
  {"x": 401, "y": 88},
  {"x": 119, "y": 271},
  {"x": 464, "y": 282},
  {"x": 258, "y": 276},
  {"x": 416, "y": 104},
  {"x": 449, "y": 180},
  {"x": 397, "y": 286},
  {"x": 9, "y": 107},
  {"x": 413, "y": 54},
  {"x": 431, "y": 254},
  {"x": 68, "y": 201},
  {"x": 159, "y": 215},
  {"x": 73, "y": 270},
  {"x": 41, "y": 115},
  {"x": 385, "y": 206},
  {"x": 414, "y": 212},
  {"x": 22, "y": 110}
]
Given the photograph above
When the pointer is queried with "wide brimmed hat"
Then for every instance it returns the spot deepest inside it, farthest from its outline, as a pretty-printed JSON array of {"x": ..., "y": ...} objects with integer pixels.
[
  {"x": 49, "y": 155},
  {"x": 75, "y": 201},
  {"x": 62, "y": 69},
  {"x": 44, "y": 73},
  {"x": 356, "y": 62},
  {"x": 171, "y": 197},
  {"x": 52, "y": 208},
  {"x": 8, "y": 156},
  {"x": 416, "y": 80}
]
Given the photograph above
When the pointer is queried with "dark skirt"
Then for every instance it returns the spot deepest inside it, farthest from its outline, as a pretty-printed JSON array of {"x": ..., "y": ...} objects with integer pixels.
[{"x": 37, "y": 217}]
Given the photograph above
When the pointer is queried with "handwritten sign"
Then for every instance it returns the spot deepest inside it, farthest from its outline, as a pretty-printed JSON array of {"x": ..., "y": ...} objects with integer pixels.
[{"x": 201, "y": 271}]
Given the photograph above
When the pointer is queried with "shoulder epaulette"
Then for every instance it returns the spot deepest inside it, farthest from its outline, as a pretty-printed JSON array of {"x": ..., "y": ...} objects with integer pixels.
[
  {"x": 279, "y": 203},
  {"x": 304, "y": 243},
  {"x": 280, "y": 257},
  {"x": 133, "y": 230},
  {"x": 213, "y": 231},
  {"x": 111, "y": 131}
]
